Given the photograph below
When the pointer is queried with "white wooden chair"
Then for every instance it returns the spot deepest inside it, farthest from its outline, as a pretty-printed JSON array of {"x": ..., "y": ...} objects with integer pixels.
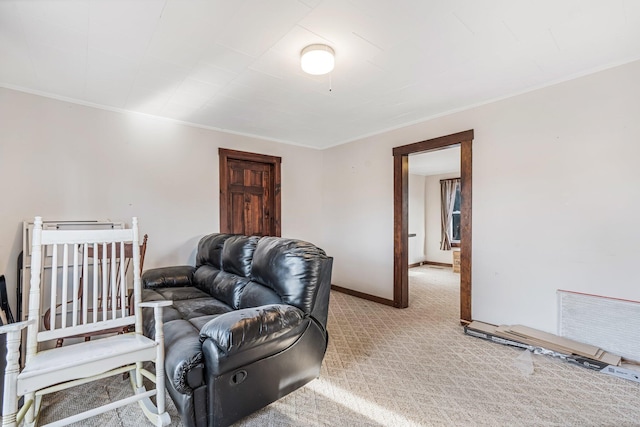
[
  {"x": 113, "y": 261},
  {"x": 55, "y": 369}
]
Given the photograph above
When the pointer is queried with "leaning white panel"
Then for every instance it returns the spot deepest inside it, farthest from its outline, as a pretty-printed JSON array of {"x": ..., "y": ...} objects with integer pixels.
[{"x": 609, "y": 323}]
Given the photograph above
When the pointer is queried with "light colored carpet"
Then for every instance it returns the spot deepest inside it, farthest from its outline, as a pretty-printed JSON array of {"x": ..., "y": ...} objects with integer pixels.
[{"x": 416, "y": 367}]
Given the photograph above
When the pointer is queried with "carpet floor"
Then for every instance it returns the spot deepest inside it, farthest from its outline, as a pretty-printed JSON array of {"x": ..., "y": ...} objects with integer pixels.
[{"x": 413, "y": 367}]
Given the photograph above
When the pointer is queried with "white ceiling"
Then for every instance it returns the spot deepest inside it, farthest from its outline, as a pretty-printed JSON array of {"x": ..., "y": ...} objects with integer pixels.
[{"x": 234, "y": 64}]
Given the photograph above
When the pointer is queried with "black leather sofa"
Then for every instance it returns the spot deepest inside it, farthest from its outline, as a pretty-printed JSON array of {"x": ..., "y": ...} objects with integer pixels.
[{"x": 247, "y": 325}]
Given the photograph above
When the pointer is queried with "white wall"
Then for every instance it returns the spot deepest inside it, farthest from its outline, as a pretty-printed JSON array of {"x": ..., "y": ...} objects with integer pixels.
[
  {"x": 433, "y": 221},
  {"x": 555, "y": 175},
  {"x": 67, "y": 161},
  {"x": 417, "y": 220},
  {"x": 358, "y": 213}
]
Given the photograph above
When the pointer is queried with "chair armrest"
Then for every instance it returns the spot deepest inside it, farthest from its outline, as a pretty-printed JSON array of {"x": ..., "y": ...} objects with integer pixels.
[
  {"x": 15, "y": 327},
  {"x": 157, "y": 317},
  {"x": 168, "y": 277},
  {"x": 243, "y": 329},
  {"x": 155, "y": 304}
]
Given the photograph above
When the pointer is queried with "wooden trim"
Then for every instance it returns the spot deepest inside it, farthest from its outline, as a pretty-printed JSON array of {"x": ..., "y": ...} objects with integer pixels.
[
  {"x": 250, "y": 157},
  {"x": 401, "y": 233},
  {"x": 465, "y": 230},
  {"x": 434, "y": 144},
  {"x": 438, "y": 264},
  {"x": 400, "y": 208},
  {"x": 226, "y": 154},
  {"x": 277, "y": 204},
  {"x": 224, "y": 187},
  {"x": 362, "y": 295}
]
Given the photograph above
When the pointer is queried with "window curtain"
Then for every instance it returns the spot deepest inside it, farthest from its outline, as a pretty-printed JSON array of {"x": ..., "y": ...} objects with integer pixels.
[{"x": 447, "y": 199}]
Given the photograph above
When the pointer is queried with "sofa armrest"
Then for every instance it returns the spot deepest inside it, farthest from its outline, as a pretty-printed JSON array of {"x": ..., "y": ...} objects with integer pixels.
[
  {"x": 243, "y": 329},
  {"x": 168, "y": 277},
  {"x": 183, "y": 360}
]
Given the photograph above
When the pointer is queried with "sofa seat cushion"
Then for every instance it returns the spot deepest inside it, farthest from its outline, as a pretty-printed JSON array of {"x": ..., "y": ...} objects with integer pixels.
[
  {"x": 198, "y": 307},
  {"x": 181, "y": 294},
  {"x": 188, "y": 303},
  {"x": 199, "y": 322}
]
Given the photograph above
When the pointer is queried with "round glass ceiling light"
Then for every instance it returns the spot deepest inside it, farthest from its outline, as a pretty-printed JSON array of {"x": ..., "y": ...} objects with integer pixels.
[{"x": 317, "y": 59}]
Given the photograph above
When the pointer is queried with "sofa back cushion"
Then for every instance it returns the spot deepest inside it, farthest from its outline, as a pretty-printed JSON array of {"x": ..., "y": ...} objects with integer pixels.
[
  {"x": 250, "y": 271},
  {"x": 291, "y": 268},
  {"x": 228, "y": 288},
  {"x": 225, "y": 267},
  {"x": 204, "y": 277},
  {"x": 237, "y": 254},
  {"x": 255, "y": 294},
  {"x": 210, "y": 250}
]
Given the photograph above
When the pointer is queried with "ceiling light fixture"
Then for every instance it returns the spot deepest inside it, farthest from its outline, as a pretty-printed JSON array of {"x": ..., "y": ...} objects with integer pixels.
[{"x": 317, "y": 59}]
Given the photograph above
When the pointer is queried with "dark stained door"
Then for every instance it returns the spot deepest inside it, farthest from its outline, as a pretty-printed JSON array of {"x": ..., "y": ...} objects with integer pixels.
[
  {"x": 250, "y": 198},
  {"x": 249, "y": 193}
]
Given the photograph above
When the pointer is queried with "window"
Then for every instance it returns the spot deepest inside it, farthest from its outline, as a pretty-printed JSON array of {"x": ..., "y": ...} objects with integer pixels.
[
  {"x": 455, "y": 218},
  {"x": 450, "y": 213}
]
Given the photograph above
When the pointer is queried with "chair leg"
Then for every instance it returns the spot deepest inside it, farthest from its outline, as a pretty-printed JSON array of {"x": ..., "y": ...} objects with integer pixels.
[
  {"x": 155, "y": 413},
  {"x": 33, "y": 411},
  {"x": 151, "y": 410},
  {"x": 30, "y": 417},
  {"x": 160, "y": 387},
  {"x": 10, "y": 398},
  {"x": 159, "y": 362}
]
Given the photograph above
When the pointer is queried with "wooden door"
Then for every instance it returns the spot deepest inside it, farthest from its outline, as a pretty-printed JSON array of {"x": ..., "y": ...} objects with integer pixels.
[{"x": 249, "y": 193}]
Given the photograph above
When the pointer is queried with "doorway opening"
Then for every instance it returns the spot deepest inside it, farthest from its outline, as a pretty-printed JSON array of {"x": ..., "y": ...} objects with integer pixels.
[{"x": 401, "y": 216}]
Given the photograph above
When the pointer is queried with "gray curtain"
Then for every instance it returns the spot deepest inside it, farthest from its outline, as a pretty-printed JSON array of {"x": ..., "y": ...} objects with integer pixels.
[{"x": 447, "y": 199}]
